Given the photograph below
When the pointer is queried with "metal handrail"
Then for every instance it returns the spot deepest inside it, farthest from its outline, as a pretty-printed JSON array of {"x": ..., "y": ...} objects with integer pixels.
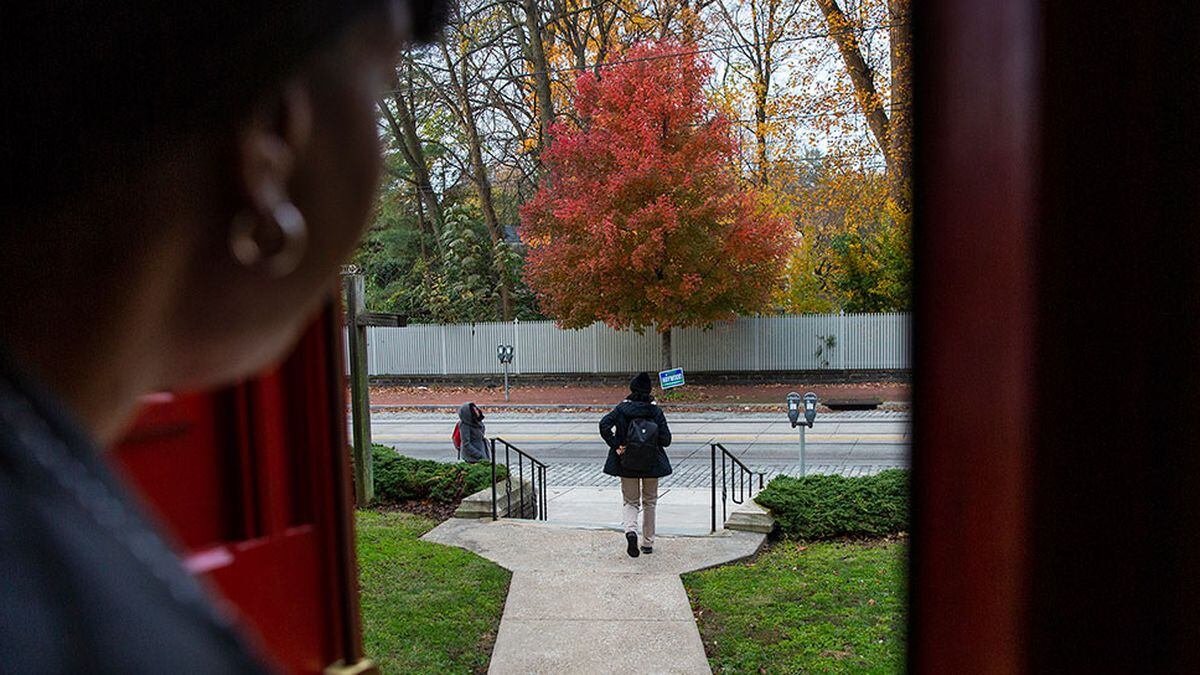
[
  {"x": 537, "y": 476},
  {"x": 731, "y": 479}
]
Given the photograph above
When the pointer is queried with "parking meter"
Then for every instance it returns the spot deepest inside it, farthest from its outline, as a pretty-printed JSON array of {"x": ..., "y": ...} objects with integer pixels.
[
  {"x": 793, "y": 408},
  {"x": 810, "y": 408},
  {"x": 504, "y": 353},
  {"x": 806, "y": 405}
]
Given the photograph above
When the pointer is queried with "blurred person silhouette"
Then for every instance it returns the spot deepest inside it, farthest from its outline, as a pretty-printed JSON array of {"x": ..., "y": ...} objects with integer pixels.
[{"x": 184, "y": 181}]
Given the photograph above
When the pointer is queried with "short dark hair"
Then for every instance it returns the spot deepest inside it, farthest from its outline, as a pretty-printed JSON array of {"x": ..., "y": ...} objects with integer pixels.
[{"x": 87, "y": 84}]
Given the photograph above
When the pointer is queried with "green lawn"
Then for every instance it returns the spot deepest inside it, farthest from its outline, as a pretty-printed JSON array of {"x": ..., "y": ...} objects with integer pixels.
[
  {"x": 804, "y": 608},
  {"x": 426, "y": 608}
]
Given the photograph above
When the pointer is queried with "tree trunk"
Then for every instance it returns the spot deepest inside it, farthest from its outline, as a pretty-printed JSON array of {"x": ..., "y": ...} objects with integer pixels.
[
  {"x": 760, "y": 136},
  {"x": 404, "y": 129},
  {"x": 420, "y": 170},
  {"x": 900, "y": 124},
  {"x": 771, "y": 20},
  {"x": 487, "y": 205},
  {"x": 842, "y": 32},
  {"x": 424, "y": 225},
  {"x": 666, "y": 350},
  {"x": 687, "y": 29},
  {"x": 892, "y": 133},
  {"x": 479, "y": 175},
  {"x": 536, "y": 53}
]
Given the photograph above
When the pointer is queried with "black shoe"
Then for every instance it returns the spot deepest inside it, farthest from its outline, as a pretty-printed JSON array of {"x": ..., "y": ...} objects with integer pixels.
[
  {"x": 632, "y": 549},
  {"x": 647, "y": 549}
]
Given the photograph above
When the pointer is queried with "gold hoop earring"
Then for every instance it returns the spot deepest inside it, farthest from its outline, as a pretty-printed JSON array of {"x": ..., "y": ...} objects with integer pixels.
[{"x": 290, "y": 228}]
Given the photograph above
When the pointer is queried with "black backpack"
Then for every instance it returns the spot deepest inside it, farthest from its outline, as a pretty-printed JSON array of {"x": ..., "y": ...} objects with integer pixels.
[{"x": 641, "y": 445}]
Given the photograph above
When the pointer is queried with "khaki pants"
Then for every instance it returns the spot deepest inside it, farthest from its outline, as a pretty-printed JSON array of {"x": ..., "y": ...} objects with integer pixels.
[{"x": 644, "y": 490}]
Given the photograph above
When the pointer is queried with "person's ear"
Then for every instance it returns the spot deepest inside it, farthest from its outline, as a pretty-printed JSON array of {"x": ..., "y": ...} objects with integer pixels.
[{"x": 268, "y": 233}]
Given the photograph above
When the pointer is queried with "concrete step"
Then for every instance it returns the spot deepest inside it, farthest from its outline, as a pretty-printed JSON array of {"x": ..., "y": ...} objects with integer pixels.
[
  {"x": 479, "y": 505},
  {"x": 750, "y": 517}
]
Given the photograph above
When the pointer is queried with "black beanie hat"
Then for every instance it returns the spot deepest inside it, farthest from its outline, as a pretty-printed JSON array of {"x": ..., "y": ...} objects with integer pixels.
[{"x": 640, "y": 384}]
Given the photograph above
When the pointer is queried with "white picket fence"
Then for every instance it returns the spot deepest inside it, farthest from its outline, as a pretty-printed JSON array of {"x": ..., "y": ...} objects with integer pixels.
[{"x": 774, "y": 343}]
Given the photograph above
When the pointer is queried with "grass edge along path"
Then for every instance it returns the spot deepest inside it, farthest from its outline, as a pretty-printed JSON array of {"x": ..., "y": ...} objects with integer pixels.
[
  {"x": 800, "y": 607},
  {"x": 426, "y": 608}
]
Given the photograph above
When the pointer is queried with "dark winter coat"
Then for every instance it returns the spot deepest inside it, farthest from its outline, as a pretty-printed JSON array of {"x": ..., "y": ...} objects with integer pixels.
[
  {"x": 474, "y": 445},
  {"x": 614, "y": 426}
]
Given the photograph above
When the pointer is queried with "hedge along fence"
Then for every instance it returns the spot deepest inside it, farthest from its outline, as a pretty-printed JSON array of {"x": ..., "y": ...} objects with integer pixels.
[
  {"x": 399, "y": 478},
  {"x": 821, "y": 507}
]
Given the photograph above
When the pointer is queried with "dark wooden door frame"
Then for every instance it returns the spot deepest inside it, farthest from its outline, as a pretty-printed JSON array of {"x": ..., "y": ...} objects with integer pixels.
[
  {"x": 1056, "y": 515},
  {"x": 975, "y": 158}
]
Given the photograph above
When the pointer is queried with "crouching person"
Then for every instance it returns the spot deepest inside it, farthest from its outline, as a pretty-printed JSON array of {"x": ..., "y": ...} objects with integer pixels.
[{"x": 472, "y": 443}]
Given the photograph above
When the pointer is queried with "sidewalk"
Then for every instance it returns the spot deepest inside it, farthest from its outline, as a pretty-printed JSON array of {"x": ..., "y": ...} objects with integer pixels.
[{"x": 579, "y": 604}]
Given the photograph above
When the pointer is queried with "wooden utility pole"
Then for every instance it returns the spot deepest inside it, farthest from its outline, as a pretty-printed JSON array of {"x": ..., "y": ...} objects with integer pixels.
[{"x": 360, "y": 400}]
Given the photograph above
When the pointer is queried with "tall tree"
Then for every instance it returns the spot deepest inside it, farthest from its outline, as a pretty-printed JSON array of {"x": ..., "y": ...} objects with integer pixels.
[
  {"x": 402, "y": 123},
  {"x": 641, "y": 220},
  {"x": 757, "y": 31},
  {"x": 892, "y": 131},
  {"x": 527, "y": 24},
  {"x": 461, "y": 95}
]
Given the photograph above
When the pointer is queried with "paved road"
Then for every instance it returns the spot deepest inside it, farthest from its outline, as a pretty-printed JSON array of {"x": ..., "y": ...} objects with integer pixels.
[{"x": 843, "y": 443}]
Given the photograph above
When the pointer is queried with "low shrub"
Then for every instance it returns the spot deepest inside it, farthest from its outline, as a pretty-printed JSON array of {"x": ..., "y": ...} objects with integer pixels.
[
  {"x": 399, "y": 478},
  {"x": 821, "y": 507}
]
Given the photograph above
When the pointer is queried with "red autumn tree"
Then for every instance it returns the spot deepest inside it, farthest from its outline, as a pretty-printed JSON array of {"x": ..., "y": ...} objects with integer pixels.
[{"x": 641, "y": 219}]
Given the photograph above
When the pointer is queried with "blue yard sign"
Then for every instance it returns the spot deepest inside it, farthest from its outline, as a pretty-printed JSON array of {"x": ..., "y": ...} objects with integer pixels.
[{"x": 671, "y": 378}]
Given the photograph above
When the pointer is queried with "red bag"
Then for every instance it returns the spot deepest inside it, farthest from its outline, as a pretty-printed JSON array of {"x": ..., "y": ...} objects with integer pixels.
[{"x": 456, "y": 437}]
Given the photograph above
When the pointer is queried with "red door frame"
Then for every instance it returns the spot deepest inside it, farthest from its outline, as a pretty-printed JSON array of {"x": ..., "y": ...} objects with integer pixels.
[{"x": 253, "y": 483}]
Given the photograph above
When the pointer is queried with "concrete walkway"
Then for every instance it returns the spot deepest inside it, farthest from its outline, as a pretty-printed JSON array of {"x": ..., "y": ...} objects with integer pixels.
[
  {"x": 681, "y": 511},
  {"x": 579, "y": 604}
]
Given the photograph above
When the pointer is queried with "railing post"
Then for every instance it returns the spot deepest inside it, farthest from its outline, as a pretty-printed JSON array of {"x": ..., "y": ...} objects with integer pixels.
[
  {"x": 724, "y": 496},
  {"x": 507, "y": 478},
  {"x": 360, "y": 393},
  {"x": 494, "y": 515},
  {"x": 713, "y": 485},
  {"x": 803, "y": 470}
]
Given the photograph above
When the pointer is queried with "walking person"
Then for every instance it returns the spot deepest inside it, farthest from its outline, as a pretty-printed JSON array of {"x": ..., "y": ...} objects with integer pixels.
[
  {"x": 473, "y": 445},
  {"x": 636, "y": 432}
]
